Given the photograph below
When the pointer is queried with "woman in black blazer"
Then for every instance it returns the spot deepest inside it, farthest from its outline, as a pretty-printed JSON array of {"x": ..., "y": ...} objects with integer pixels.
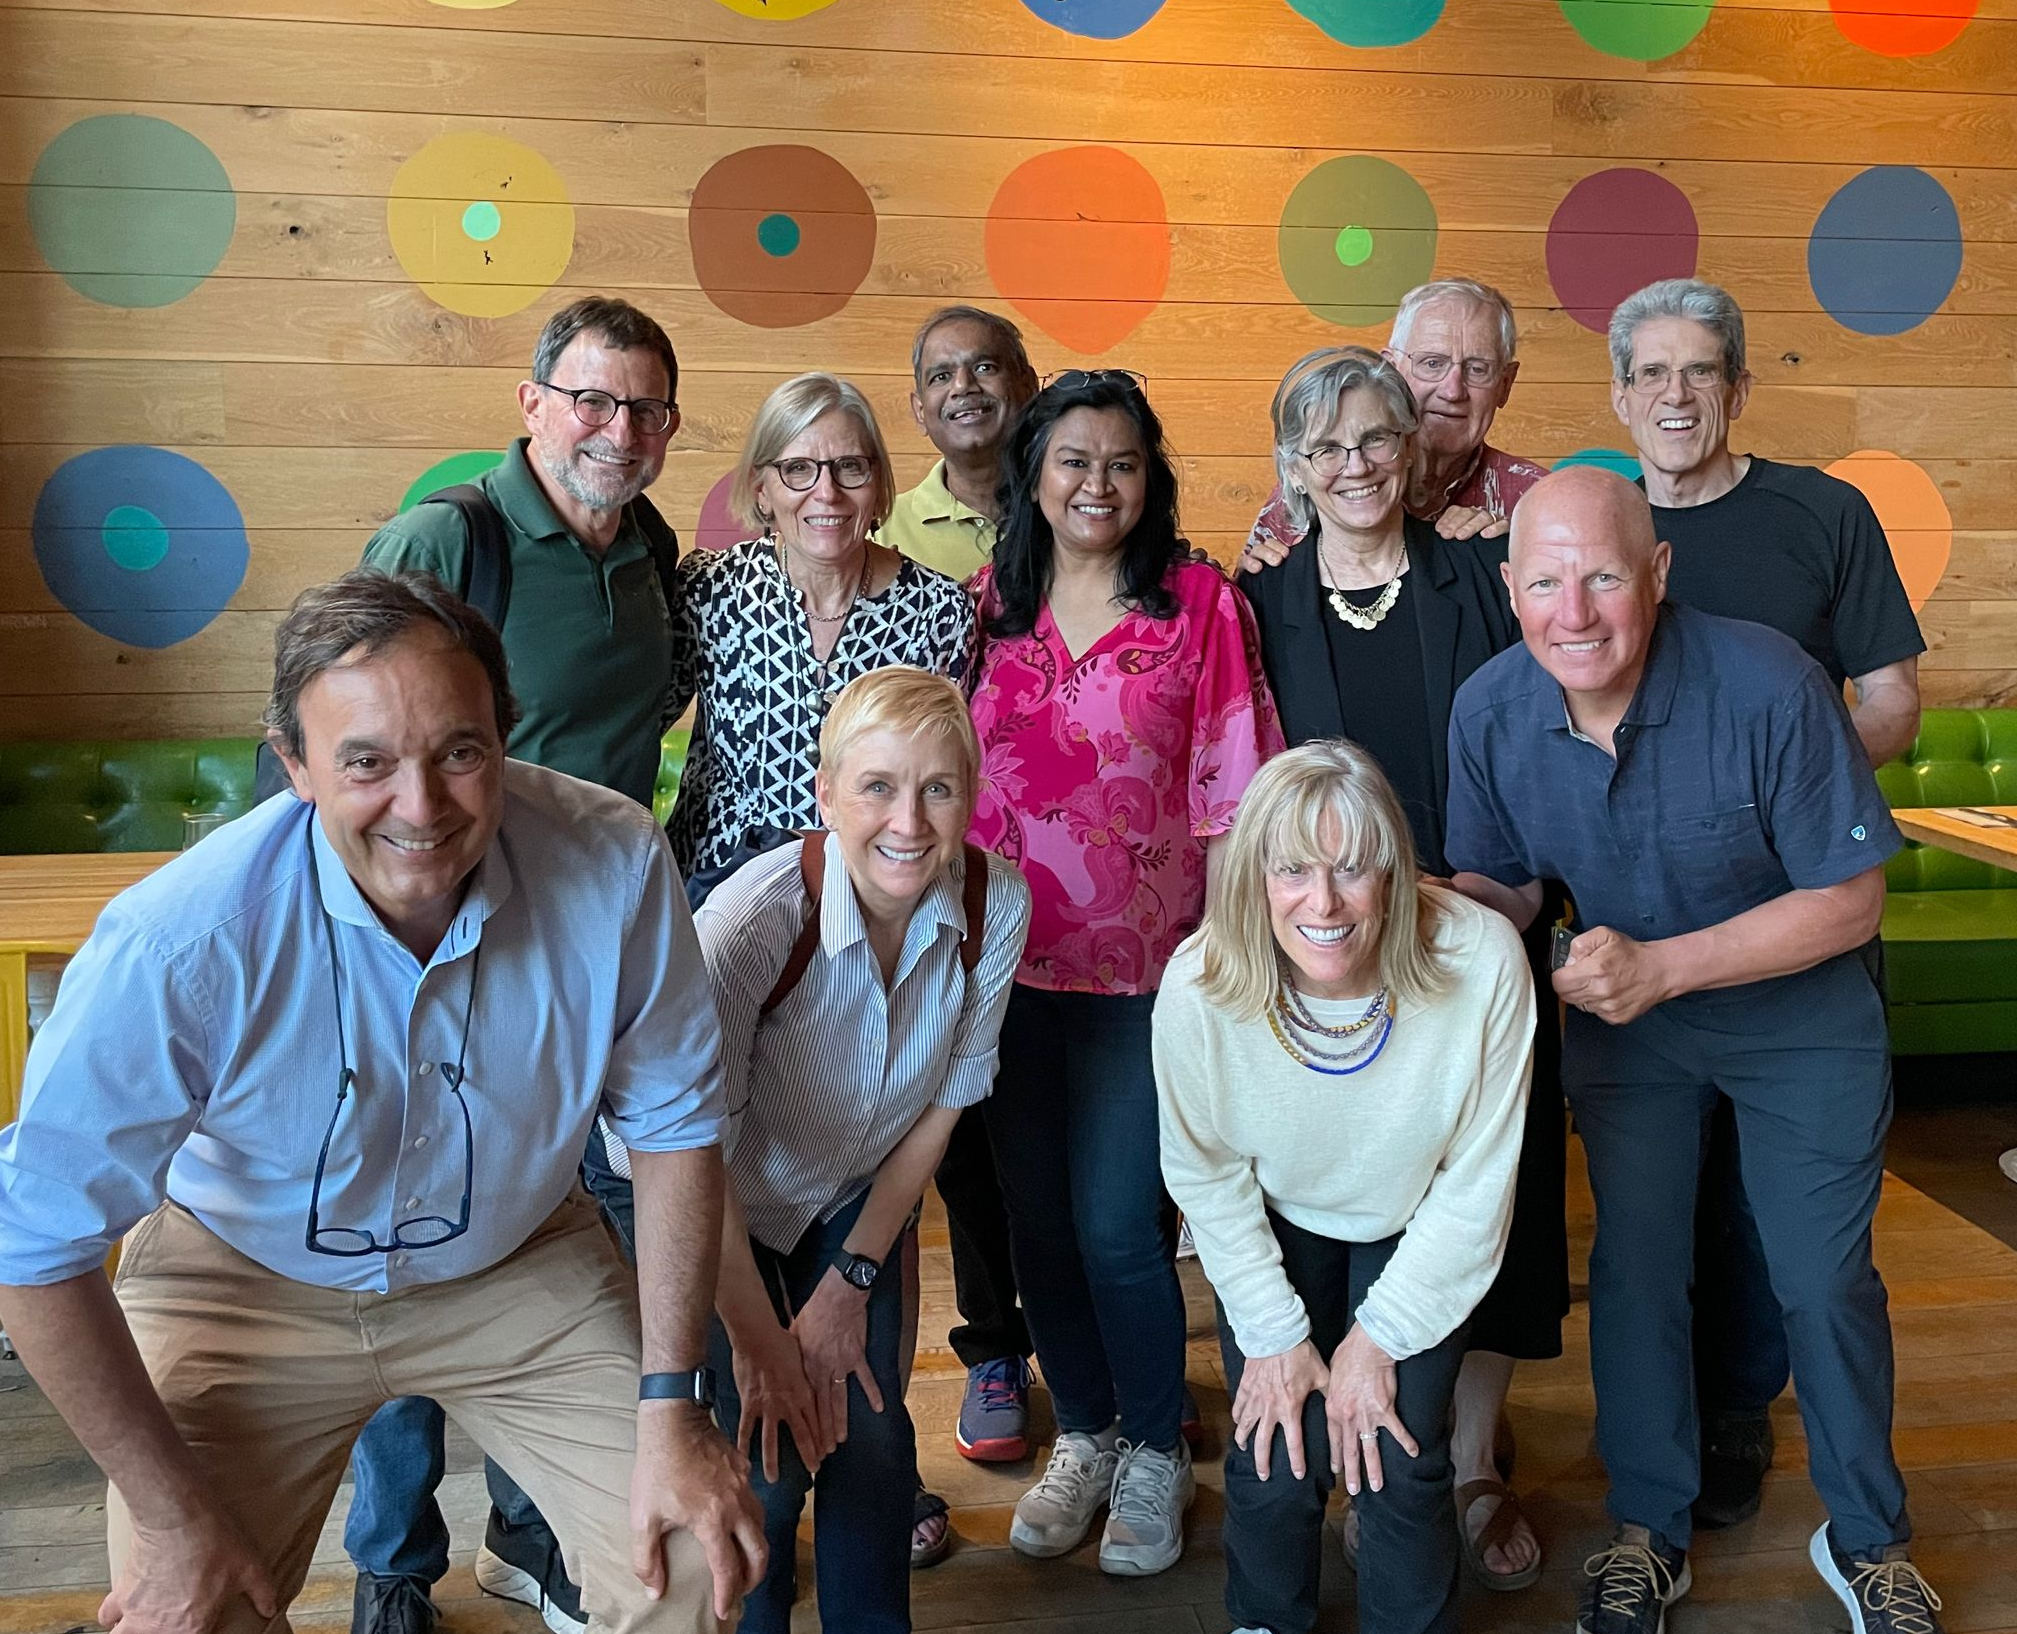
[{"x": 1367, "y": 630}]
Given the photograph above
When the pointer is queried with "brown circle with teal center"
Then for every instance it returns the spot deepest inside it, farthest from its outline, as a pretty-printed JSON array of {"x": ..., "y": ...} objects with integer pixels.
[{"x": 781, "y": 235}]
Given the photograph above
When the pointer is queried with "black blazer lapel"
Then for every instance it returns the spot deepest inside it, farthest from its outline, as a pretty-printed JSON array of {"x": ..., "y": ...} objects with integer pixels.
[{"x": 1311, "y": 709}]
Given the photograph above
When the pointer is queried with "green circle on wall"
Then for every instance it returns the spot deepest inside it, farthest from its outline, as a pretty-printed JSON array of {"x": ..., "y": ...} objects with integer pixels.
[
  {"x": 1644, "y": 30},
  {"x": 1356, "y": 235},
  {"x": 447, "y": 473},
  {"x": 131, "y": 210},
  {"x": 1371, "y": 23}
]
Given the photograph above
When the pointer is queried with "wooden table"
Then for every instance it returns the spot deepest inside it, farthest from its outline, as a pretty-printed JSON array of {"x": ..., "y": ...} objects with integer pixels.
[
  {"x": 1930, "y": 825},
  {"x": 48, "y": 904}
]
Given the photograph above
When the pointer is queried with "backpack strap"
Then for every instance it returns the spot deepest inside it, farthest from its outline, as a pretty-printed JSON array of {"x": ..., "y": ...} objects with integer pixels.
[
  {"x": 486, "y": 583},
  {"x": 660, "y": 540},
  {"x": 812, "y": 870},
  {"x": 974, "y": 900}
]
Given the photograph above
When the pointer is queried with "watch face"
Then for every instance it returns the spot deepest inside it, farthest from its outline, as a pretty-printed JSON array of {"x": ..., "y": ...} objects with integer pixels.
[{"x": 861, "y": 1272}]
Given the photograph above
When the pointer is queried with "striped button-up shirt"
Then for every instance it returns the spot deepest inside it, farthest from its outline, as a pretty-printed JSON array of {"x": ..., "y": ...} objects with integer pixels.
[{"x": 822, "y": 1089}]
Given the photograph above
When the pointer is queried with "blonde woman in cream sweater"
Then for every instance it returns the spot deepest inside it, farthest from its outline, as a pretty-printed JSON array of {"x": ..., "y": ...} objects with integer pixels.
[{"x": 1341, "y": 1057}]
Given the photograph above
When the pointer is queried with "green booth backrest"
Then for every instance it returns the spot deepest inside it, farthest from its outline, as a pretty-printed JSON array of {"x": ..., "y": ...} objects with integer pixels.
[
  {"x": 1964, "y": 757},
  {"x": 67, "y": 797}
]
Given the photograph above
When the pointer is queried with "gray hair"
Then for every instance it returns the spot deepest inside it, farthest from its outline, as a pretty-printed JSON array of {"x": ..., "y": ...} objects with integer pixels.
[
  {"x": 1710, "y": 305},
  {"x": 370, "y": 610},
  {"x": 617, "y": 323},
  {"x": 1005, "y": 335},
  {"x": 1307, "y": 400},
  {"x": 1482, "y": 296},
  {"x": 787, "y": 414}
]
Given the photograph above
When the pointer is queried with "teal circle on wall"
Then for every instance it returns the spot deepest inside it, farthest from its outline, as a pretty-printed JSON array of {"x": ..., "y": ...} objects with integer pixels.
[
  {"x": 447, "y": 473},
  {"x": 1356, "y": 234},
  {"x": 1643, "y": 30},
  {"x": 482, "y": 221},
  {"x": 1371, "y": 23},
  {"x": 134, "y": 537},
  {"x": 132, "y": 211},
  {"x": 1608, "y": 459},
  {"x": 778, "y": 234}
]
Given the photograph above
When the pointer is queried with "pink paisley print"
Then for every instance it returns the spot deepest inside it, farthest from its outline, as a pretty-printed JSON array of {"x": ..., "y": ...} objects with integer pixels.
[{"x": 1103, "y": 779}]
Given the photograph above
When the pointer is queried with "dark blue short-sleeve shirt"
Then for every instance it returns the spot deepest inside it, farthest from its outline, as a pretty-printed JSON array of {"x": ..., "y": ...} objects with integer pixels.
[{"x": 1738, "y": 778}]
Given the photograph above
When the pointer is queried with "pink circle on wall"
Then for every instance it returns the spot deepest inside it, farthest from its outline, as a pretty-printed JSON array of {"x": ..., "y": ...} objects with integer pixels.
[
  {"x": 717, "y": 527},
  {"x": 1614, "y": 233}
]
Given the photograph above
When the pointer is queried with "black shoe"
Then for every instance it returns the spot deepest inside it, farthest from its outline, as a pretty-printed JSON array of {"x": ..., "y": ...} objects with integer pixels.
[
  {"x": 1736, "y": 1451},
  {"x": 392, "y": 1605},
  {"x": 1630, "y": 1585},
  {"x": 523, "y": 1563},
  {"x": 1883, "y": 1591}
]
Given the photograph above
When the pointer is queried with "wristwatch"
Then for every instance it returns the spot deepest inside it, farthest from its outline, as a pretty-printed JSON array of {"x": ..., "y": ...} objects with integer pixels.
[
  {"x": 858, "y": 1270},
  {"x": 696, "y": 1387}
]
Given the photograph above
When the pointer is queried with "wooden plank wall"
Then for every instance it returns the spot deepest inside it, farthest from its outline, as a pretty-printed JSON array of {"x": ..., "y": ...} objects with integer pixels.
[{"x": 313, "y": 378}]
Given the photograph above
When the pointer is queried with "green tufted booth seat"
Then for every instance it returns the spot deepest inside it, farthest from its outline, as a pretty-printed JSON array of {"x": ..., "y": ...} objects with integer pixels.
[
  {"x": 1950, "y": 922},
  {"x": 59, "y": 797}
]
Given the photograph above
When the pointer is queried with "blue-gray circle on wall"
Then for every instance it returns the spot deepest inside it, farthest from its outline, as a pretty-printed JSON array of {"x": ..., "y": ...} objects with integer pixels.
[
  {"x": 1096, "y": 19},
  {"x": 144, "y": 546},
  {"x": 1886, "y": 251}
]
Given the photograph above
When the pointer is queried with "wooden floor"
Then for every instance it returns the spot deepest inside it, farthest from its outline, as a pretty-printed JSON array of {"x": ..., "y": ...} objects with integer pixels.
[{"x": 1954, "y": 1308}]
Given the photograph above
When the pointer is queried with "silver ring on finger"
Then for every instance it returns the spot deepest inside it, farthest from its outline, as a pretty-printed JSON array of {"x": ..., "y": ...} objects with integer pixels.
[{"x": 1369, "y": 1435}]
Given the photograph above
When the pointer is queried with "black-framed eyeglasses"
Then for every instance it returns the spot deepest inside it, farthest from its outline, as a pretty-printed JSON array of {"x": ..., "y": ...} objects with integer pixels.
[
  {"x": 850, "y": 471},
  {"x": 649, "y": 415},
  {"x": 1328, "y": 459},
  {"x": 1431, "y": 367},
  {"x": 1648, "y": 378},
  {"x": 422, "y": 1230},
  {"x": 1072, "y": 379}
]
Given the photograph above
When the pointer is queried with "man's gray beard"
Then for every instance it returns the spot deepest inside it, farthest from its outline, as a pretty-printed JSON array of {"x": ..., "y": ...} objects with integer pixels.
[{"x": 569, "y": 480}]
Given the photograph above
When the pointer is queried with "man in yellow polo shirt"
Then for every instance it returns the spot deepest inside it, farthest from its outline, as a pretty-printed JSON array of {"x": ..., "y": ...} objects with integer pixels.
[{"x": 971, "y": 378}]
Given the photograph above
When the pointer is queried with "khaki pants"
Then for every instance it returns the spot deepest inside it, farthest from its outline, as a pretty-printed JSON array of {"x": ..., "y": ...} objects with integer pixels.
[{"x": 269, "y": 1380}]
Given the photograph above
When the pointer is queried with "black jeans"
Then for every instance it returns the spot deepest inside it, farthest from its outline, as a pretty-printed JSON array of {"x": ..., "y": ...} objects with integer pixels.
[
  {"x": 1407, "y": 1534},
  {"x": 983, "y": 1271}
]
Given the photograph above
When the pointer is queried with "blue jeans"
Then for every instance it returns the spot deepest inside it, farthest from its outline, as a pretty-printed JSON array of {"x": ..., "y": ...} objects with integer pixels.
[
  {"x": 395, "y": 1527},
  {"x": 862, "y": 1494},
  {"x": 1073, "y": 1120}
]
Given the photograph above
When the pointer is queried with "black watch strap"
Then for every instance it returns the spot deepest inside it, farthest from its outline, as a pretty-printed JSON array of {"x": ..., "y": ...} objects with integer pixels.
[
  {"x": 857, "y": 1270},
  {"x": 696, "y": 1386}
]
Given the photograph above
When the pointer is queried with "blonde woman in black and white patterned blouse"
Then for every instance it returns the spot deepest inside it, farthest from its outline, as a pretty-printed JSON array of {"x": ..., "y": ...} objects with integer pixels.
[{"x": 767, "y": 632}]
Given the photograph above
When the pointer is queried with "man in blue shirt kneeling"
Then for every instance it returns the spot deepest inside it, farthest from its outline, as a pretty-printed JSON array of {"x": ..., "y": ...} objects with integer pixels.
[{"x": 333, "y": 1069}]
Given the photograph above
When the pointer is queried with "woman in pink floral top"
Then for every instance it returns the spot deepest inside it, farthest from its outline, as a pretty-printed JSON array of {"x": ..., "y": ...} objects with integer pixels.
[{"x": 1121, "y": 712}]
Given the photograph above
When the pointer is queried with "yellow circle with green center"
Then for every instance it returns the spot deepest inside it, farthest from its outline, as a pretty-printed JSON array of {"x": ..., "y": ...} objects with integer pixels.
[
  {"x": 481, "y": 223},
  {"x": 1356, "y": 234}
]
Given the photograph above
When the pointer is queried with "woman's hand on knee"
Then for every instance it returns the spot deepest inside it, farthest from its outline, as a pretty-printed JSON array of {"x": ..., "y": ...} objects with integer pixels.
[
  {"x": 1358, "y": 1405},
  {"x": 771, "y": 1379},
  {"x": 1271, "y": 1396},
  {"x": 832, "y": 1331}
]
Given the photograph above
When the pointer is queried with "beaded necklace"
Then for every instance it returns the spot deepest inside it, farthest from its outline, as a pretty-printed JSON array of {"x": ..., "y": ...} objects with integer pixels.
[{"x": 1288, "y": 1008}]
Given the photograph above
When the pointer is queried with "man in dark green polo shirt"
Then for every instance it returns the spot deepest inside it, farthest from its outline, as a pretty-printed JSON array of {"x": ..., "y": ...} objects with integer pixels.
[
  {"x": 587, "y": 630},
  {"x": 589, "y": 639}
]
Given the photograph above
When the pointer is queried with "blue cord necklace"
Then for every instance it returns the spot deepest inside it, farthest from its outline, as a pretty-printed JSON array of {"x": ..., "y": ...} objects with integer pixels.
[{"x": 1352, "y": 1061}]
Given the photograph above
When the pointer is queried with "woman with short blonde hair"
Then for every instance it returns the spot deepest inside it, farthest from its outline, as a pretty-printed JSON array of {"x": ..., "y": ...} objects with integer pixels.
[
  {"x": 767, "y": 632},
  {"x": 1341, "y": 1057}
]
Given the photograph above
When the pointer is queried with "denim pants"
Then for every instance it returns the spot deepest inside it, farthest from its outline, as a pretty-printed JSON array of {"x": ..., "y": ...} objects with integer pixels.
[
  {"x": 1804, "y": 1061},
  {"x": 395, "y": 1527},
  {"x": 1073, "y": 1121},
  {"x": 1274, "y": 1529},
  {"x": 862, "y": 1493}
]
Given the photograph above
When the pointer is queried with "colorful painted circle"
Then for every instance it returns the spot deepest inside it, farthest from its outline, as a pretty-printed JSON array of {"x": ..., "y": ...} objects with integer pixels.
[
  {"x": 1904, "y": 28},
  {"x": 1915, "y": 516},
  {"x": 1356, "y": 235},
  {"x": 481, "y": 223},
  {"x": 1885, "y": 251},
  {"x": 474, "y": 5},
  {"x": 781, "y": 236},
  {"x": 144, "y": 546},
  {"x": 1078, "y": 241},
  {"x": 1616, "y": 232},
  {"x": 1096, "y": 19},
  {"x": 447, "y": 473},
  {"x": 131, "y": 210},
  {"x": 1644, "y": 30},
  {"x": 1608, "y": 459},
  {"x": 776, "y": 11},
  {"x": 1371, "y": 23},
  {"x": 718, "y": 528}
]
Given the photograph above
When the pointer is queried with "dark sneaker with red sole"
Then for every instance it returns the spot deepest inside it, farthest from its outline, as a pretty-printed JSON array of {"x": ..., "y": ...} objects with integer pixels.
[{"x": 994, "y": 1413}]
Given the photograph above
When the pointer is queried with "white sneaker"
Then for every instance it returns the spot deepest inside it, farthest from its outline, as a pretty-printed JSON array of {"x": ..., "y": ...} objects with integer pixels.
[
  {"x": 2008, "y": 1164},
  {"x": 1145, "y": 1526},
  {"x": 1053, "y": 1517},
  {"x": 496, "y": 1575}
]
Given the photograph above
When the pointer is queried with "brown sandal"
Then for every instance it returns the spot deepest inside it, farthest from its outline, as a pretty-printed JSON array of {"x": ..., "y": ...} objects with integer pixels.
[{"x": 1493, "y": 1534}]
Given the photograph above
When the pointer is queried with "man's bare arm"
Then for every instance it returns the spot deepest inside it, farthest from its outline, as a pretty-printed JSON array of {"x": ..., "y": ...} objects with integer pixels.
[
  {"x": 1790, "y": 933},
  {"x": 1886, "y": 711},
  {"x": 678, "y": 1252},
  {"x": 1519, "y": 905}
]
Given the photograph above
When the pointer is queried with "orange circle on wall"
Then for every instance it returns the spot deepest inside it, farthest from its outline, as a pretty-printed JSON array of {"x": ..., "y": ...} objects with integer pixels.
[
  {"x": 1078, "y": 241},
  {"x": 1904, "y": 28},
  {"x": 1916, "y": 519}
]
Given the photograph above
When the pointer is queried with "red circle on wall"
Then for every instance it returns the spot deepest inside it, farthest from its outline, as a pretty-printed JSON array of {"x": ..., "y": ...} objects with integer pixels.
[{"x": 1616, "y": 232}]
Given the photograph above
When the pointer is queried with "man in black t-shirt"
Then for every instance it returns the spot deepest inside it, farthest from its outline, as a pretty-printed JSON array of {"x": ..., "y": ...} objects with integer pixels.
[{"x": 1803, "y": 552}]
